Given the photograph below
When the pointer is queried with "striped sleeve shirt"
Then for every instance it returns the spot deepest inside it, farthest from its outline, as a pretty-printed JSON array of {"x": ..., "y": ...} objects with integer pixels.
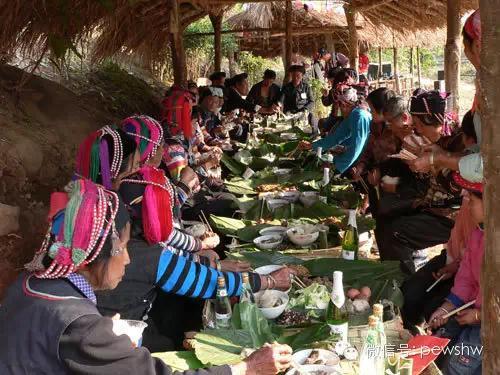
[
  {"x": 178, "y": 275},
  {"x": 183, "y": 242}
]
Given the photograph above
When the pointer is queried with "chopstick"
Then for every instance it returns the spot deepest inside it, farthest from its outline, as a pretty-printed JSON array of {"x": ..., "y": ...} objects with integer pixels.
[
  {"x": 299, "y": 282},
  {"x": 204, "y": 220},
  {"x": 453, "y": 312},
  {"x": 363, "y": 183},
  {"x": 435, "y": 283}
]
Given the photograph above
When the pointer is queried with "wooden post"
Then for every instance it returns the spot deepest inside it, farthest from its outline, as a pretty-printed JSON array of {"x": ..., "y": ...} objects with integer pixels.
[
  {"x": 216, "y": 20},
  {"x": 380, "y": 74},
  {"x": 412, "y": 67},
  {"x": 350, "y": 14},
  {"x": 419, "y": 73},
  {"x": 490, "y": 149},
  {"x": 288, "y": 35},
  {"x": 452, "y": 53},
  {"x": 177, "y": 44},
  {"x": 396, "y": 70}
]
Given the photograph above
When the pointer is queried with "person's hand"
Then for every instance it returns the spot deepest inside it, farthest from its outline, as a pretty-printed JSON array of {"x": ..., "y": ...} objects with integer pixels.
[
  {"x": 356, "y": 173},
  {"x": 190, "y": 179},
  {"x": 229, "y": 265},
  {"x": 324, "y": 92},
  {"x": 210, "y": 255},
  {"x": 421, "y": 164},
  {"x": 468, "y": 317},
  {"x": 271, "y": 359},
  {"x": 210, "y": 241},
  {"x": 448, "y": 271},
  {"x": 305, "y": 145},
  {"x": 280, "y": 279},
  {"x": 436, "y": 320},
  {"x": 118, "y": 180},
  {"x": 374, "y": 177}
]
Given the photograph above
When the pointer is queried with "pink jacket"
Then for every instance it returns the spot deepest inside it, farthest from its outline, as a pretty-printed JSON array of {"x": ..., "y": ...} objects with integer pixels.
[
  {"x": 466, "y": 286},
  {"x": 461, "y": 232}
]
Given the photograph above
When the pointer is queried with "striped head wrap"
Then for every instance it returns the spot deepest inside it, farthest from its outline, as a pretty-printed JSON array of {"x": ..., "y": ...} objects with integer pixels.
[
  {"x": 475, "y": 187},
  {"x": 176, "y": 113},
  {"x": 472, "y": 26},
  {"x": 101, "y": 155},
  {"x": 147, "y": 133},
  {"x": 78, "y": 233}
]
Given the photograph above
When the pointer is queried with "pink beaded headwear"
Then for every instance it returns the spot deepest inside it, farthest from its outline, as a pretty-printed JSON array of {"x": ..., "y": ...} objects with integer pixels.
[
  {"x": 89, "y": 218},
  {"x": 147, "y": 133}
]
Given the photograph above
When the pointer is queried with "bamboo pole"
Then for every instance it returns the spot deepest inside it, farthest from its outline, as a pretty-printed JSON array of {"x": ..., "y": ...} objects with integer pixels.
[
  {"x": 177, "y": 45},
  {"x": 490, "y": 149},
  {"x": 350, "y": 14},
  {"x": 380, "y": 62},
  {"x": 288, "y": 35},
  {"x": 419, "y": 70},
  {"x": 452, "y": 53},
  {"x": 216, "y": 20}
]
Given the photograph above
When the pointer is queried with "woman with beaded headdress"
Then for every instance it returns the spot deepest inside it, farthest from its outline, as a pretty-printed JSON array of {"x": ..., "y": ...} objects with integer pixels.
[
  {"x": 49, "y": 323},
  {"x": 157, "y": 263}
]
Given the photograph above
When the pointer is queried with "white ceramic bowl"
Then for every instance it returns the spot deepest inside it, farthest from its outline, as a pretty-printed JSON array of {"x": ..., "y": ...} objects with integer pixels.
[
  {"x": 266, "y": 270},
  {"x": 273, "y": 312},
  {"x": 288, "y": 136},
  {"x": 303, "y": 235},
  {"x": 196, "y": 230},
  {"x": 306, "y": 369},
  {"x": 308, "y": 198},
  {"x": 332, "y": 358},
  {"x": 290, "y": 196},
  {"x": 268, "y": 242},
  {"x": 276, "y": 203},
  {"x": 276, "y": 230},
  {"x": 282, "y": 171}
]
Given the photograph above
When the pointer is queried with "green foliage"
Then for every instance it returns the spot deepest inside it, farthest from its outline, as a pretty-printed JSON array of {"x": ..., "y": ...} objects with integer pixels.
[
  {"x": 253, "y": 65},
  {"x": 319, "y": 109}
]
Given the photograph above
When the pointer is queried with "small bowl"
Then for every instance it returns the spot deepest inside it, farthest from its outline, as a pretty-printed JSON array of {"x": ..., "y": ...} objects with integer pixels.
[
  {"x": 266, "y": 270},
  {"x": 308, "y": 198},
  {"x": 306, "y": 369},
  {"x": 332, "y": 358},
  {"x": 282, "y": 171},
  {"x": 196, "y": 230},
  {"x": 288, "y": 136},
  {"x": 274, "y": 230},
  {"x": 276, "y": 203},
  {"x": 268, "y": 242},
  {"x": 303, "y": 235},
  {"x": 273, "y": 312},
  {"x": 290, "y": 196}
]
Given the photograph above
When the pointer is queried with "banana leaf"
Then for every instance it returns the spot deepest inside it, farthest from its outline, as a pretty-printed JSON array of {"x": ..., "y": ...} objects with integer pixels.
[
  {"x": 221, "y": 346},
  {"x": 180, "y": 361},
  {"x": 248, "y": 317},
  {"x": 227, "y": 225},
  {"x": 234, "y": 166},
  {"x": 240, "y": 186},
  {"x": 307, "y": 337},
  {"x": 250, "y": 232},
  {"x": 258, "y": 258}
]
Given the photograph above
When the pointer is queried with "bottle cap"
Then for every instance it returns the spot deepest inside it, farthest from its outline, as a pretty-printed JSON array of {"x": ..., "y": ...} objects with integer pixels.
[
  {"x": 372, "y": 320},
  {"x": 378, "y": 309},
  {"x": 221, "y": 282}
]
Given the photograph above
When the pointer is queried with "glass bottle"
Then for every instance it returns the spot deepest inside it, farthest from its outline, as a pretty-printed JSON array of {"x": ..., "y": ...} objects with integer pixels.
[
  {"x": 336, "y": 313},
  {"x": 223, "y": 311},
  {"x": 371, "y": 360},
  {"x": 246, "y": 293},
  {"x": 350, "y": 242}
]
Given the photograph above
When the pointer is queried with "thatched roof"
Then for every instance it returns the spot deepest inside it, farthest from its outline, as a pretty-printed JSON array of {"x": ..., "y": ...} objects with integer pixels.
[{"x": 142, "y": 27}]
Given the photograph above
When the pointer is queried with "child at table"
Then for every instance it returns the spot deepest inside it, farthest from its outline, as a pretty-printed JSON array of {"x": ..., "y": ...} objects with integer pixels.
[{"x": 464, "y": 330}]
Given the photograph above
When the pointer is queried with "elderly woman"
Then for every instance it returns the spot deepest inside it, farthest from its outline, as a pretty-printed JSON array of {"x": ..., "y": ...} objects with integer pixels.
[
  {"x": 51, "y": 308},
  {"x": 349, "y": 140}
]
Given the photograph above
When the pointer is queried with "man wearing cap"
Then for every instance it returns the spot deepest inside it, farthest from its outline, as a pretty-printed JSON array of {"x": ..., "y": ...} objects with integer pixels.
[{"x": 297, "y": 96}]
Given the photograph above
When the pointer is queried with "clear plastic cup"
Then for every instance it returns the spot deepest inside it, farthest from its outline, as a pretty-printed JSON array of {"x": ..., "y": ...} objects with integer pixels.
[{"x": 132, "y": 328}]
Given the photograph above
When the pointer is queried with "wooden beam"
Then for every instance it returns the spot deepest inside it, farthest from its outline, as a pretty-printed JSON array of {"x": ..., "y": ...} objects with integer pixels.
[
  {"x": 419, "y": 72},
  {"x": 281, "y": 30},
  {"x": 350, "y": 15},
  {"x": 452, "y": 53},
  {"x": 177, "y": 44},
  {"x": 288, "y": 34},
  {"x": 412, "y": 68},
  {"x": 396, "y": 70},
  {"x": 490, "y": 149},
  {"x": 217, "y": 25}
]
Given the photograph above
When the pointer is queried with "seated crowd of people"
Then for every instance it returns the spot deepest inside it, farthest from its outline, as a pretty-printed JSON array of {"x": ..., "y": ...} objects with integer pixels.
[{"x": 116, "y": 242}]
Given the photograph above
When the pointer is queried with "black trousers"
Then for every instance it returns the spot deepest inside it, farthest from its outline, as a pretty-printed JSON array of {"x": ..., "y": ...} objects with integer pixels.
[{"x": 418, "y": 304}]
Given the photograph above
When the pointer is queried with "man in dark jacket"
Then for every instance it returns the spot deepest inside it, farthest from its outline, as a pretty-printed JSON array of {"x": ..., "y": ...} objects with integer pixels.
[
  {"x": 297, "y": 96},
  {"x": 266, "y": 93}
]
